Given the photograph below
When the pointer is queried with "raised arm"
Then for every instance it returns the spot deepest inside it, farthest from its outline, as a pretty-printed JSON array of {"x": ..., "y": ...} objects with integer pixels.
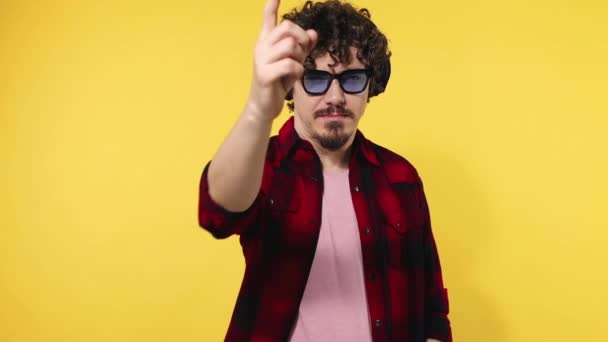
[{"x": 235, "y": 173}]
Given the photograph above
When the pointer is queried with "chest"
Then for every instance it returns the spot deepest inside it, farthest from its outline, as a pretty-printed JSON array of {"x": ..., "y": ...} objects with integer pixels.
[{"x": 387, "y": 216}]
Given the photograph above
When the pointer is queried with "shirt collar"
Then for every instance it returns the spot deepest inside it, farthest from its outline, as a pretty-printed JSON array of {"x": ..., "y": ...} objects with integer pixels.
[{"x": 289, "y": 140}]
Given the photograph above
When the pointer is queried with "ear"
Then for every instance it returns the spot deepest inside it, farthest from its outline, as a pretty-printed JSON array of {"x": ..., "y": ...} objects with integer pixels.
[{"x": 385, "y": 75}]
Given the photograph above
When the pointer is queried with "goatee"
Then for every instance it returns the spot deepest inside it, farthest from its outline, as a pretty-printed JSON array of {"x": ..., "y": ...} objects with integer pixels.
[{"x": 335, "y": 139}]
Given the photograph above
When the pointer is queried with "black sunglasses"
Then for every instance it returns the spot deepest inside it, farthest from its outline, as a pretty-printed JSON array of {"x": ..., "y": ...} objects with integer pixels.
[{"x": 317, "y": 82}]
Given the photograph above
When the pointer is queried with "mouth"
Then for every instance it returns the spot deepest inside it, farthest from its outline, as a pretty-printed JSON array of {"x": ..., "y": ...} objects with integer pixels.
[{"x": 334, "y": 114}]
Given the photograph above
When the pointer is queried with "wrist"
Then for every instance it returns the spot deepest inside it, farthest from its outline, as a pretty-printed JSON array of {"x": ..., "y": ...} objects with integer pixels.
[{"x": 252, "y": 113}]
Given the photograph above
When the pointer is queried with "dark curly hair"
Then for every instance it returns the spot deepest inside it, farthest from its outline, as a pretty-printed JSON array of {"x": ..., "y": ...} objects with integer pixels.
[{"x": 341, "y": 26}]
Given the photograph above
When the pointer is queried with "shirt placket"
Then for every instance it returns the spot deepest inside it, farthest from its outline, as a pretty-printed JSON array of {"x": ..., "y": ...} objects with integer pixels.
[{"x": 368, "y": 231}]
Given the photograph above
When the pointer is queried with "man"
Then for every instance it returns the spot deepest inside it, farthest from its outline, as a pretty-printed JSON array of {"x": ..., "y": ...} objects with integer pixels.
[{"x": 335, "y": 230}]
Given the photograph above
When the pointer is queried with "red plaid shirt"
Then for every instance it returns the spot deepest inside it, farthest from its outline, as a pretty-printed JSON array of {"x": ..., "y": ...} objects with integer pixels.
[{"x": 406, "y": 297}]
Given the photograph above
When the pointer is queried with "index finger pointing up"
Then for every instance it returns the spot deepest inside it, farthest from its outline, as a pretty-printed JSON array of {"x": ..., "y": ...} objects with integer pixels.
[{"x": 270, "y": 16}]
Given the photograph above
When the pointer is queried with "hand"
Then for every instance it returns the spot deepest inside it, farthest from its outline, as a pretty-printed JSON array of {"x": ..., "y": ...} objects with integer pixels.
[{"x": 278, "y": 62}]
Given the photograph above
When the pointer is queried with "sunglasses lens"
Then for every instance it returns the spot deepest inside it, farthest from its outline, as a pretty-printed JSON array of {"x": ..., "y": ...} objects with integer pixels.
[
  {"x": 354, "y": 82},
  {"x": 315, "y": 83}
]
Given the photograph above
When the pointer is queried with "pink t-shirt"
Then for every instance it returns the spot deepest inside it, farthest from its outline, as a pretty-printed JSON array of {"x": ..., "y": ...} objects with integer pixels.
[{"x": 334, "y": 305}]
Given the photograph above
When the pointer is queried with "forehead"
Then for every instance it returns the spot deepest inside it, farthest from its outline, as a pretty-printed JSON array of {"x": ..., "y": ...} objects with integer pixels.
[{"x": 325, "y": 62}]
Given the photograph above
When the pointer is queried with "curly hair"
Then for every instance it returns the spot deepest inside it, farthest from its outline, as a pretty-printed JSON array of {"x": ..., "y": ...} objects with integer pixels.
[{"x": 341, "y": 26}]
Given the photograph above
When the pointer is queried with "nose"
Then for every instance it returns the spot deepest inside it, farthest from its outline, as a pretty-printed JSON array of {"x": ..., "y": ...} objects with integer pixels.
[{"x": 335, "y": 95}]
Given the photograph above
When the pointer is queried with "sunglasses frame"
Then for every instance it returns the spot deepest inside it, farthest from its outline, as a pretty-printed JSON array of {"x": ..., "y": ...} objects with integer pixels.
[{"x": 339, "y": 77}]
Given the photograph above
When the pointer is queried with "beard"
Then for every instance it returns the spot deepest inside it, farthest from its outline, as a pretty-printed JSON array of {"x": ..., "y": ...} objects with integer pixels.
[{"x": 335, "y": 139}]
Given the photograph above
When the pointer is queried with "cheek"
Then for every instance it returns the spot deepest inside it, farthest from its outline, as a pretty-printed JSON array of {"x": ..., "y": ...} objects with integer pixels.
[
  {"x": 306, "y": 105},
  {"x": 303, "y": 108},
  {"x": 358, "y": 104},
  {"x": 362, "y": 107}
]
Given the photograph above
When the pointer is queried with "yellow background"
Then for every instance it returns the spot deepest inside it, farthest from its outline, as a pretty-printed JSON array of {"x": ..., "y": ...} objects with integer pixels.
[{"x": 110, "y": 109}]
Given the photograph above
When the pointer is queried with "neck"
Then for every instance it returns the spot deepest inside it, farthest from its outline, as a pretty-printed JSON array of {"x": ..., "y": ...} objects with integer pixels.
[
  {"x": 334, "y": 160},
  {"x": 330, "y": 160}
]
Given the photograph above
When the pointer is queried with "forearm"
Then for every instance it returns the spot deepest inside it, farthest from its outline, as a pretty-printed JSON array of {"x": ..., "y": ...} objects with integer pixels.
[{"x": 235, "y": 173}]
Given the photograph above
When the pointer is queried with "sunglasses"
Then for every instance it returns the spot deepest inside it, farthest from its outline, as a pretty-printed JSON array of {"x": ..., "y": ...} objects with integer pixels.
[{"x": 317, "y": 82}]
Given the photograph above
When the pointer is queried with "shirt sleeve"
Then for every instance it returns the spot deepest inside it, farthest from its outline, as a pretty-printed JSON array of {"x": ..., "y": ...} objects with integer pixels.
[
  {"x": 437, "y": 324},
  {"x": 220, "y": 222}
]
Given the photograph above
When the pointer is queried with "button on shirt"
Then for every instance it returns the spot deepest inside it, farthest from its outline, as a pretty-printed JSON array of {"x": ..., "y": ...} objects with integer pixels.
[{"x": 406, "y": 298}]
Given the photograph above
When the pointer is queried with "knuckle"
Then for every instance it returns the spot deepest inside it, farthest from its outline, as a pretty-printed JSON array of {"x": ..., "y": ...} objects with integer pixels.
[
  {"x": 285, "y": 26},
  {"x": 290, "y": 43},
  {"x": 287, "y": 67},
  {"x": 299, "y": 68},
  {"x": 305, "y": 40},
  {"x": 294, "y": 66}
]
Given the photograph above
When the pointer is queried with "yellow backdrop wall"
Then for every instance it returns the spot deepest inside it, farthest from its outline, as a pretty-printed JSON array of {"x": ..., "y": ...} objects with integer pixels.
[{"x": 109, "y": 110}]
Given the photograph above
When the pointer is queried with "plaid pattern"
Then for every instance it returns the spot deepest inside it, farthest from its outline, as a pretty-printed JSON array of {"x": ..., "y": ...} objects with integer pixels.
[{"x": 406, "y": 297}]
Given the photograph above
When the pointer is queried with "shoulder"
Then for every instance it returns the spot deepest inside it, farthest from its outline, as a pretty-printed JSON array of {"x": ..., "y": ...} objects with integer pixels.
[{"x": 398, "y": 169}]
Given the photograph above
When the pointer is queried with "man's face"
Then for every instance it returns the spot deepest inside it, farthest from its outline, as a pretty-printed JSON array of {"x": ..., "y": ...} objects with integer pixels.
[{"x": 329, "y": 120}]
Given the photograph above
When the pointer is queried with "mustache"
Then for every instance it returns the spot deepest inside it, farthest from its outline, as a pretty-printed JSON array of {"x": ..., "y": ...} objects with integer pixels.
[{"x": 341, "y": 110}]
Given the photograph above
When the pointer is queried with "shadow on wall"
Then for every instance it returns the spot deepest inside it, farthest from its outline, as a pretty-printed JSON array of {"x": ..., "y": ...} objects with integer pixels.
[{"x": 463, "y": 227}]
